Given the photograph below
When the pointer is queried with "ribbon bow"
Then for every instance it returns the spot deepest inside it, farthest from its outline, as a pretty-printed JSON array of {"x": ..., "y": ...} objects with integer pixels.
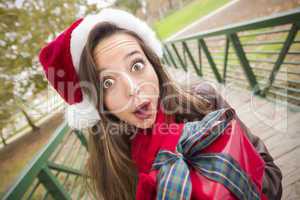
[{"x": 174, "y": 176}]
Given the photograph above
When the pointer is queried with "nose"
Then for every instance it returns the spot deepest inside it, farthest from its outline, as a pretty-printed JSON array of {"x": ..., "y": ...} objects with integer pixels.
[{"x": 131, "y": 85}]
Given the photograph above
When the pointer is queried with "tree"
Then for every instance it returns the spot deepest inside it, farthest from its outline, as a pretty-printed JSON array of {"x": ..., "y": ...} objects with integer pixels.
[
  {"x": 25, "y": 28},
  {"x": 131, "y": 5}
]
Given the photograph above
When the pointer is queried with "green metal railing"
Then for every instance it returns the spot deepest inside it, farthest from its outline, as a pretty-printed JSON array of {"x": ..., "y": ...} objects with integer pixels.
[
  {"x": 56, "y": 172},
  {"x": 262, "y": 55},
  {"x": 253, "y": 54}
]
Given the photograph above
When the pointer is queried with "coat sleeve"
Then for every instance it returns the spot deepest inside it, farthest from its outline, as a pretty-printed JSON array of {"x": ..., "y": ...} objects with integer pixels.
[{"x": 272, "y": 179}]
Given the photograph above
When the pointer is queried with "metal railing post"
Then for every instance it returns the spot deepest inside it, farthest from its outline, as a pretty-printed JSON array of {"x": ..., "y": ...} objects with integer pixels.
[
  {"x": 211, "y": 61},
  {"x": 244, "y": 62},
  {"x": 225, "y": 59},
  {"x": 191, "y": 58},
  {"x": 179, "y": 58},
  {"x": 286, "y": 46},
  {"x": 170, "y": 56}
]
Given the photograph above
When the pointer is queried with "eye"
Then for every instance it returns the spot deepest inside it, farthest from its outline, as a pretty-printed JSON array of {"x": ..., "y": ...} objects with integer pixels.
[
  {"x": 138, "y": 65},
  {"x": 107, "y": 83}
]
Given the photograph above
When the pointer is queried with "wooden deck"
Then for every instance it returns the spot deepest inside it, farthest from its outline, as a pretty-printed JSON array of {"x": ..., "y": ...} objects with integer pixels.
[{"x": 275, "y": 123}]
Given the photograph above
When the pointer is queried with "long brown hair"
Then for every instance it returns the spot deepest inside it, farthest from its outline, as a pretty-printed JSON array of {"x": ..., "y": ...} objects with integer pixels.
[{"x": 112, "y": 172}]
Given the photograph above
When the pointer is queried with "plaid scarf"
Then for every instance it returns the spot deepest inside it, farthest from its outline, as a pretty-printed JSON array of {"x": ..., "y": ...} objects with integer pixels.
[{"x": 173, "y": 179}]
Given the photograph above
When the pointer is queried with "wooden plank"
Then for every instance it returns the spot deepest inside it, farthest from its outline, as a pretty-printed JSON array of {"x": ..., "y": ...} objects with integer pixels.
[
  {"x": 291, "y": 174},
  {"x": 280, "y": 145},
  {"x": 287, "y": 140},
  {"x": 291, "y": 192}
]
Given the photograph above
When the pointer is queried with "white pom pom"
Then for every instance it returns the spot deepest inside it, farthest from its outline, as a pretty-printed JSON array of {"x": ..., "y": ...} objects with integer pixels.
[{"x": 82, "y": 115}]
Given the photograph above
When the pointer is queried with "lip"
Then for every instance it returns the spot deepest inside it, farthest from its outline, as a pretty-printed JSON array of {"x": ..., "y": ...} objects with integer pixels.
[
  {"x": 145, "y": 103},
  {"x": 142, "y": 110}
]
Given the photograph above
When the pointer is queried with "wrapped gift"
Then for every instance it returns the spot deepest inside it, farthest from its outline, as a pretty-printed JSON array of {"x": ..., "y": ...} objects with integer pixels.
[{"x": 207, "y": 159}]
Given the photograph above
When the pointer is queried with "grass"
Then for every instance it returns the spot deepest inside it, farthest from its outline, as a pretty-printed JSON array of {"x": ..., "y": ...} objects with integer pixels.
[{"x": 188, "y": 14}]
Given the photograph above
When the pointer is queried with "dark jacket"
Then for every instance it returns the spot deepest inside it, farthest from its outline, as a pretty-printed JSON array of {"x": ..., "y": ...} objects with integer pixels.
[{"x": 272, "y": 185}]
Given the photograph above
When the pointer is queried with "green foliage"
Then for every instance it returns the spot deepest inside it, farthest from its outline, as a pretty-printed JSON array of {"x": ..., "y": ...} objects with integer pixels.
[
  {"x": 130, "y": 5},
  {"x": 25, "y": 28}
]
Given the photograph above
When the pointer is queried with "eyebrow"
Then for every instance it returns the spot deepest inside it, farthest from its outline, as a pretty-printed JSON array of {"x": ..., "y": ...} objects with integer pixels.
[
  {"x": 127, "y": 56},
  {"x": 131, "y": 54}
]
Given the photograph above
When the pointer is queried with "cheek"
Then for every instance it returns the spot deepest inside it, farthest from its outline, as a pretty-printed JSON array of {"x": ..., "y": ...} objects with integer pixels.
[
  {"x": 116, "y": 103},
  {"x": 150, "y": 82}
]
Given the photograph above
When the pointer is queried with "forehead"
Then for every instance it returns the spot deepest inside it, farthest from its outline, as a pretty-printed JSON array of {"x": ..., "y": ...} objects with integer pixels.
[{"x": 114, "y": 50}]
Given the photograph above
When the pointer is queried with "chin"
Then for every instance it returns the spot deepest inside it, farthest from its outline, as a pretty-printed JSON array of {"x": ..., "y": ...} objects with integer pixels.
[{"x": 145, "y": 124}]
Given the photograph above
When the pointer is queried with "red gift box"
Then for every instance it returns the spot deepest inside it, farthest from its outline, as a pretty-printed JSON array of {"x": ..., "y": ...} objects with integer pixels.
[{"x": 233, "y": 141}]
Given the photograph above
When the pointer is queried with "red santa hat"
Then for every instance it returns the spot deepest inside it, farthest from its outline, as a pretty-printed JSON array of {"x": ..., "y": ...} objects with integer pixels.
[{"x": 60, "y": 60}]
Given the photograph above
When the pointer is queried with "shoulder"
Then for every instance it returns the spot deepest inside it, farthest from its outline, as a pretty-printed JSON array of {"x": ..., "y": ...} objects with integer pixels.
[
  {"x": 204, "y": 89},
  {"x": 208, "y": 91}
]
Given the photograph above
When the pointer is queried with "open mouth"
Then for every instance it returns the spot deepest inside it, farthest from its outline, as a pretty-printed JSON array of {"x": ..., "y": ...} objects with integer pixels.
[{"x": 143, "y": 110}]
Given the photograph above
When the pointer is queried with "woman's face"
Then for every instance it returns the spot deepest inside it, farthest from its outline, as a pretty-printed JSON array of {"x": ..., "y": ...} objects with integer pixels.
[{"x": 130, "y": 84}]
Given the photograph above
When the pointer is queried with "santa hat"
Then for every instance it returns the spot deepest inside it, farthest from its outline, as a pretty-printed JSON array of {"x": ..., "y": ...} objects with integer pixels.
[{"x": 60, "y": 60}]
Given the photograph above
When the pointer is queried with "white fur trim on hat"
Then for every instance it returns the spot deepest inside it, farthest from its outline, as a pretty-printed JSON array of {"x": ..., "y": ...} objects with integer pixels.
[
  {"x": 82, "y": 115},
  {"x": 122, "y": 19}
]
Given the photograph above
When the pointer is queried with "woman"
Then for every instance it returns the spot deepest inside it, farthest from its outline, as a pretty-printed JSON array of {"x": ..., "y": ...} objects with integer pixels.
[{"x": 107, "y": 67}]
